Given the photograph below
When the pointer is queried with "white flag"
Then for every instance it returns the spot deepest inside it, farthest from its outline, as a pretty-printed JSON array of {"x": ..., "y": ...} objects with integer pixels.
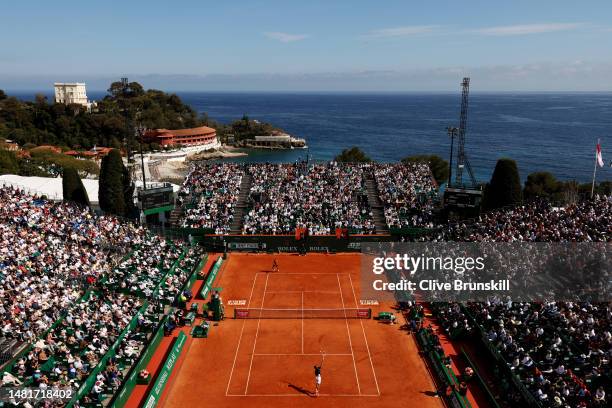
[{"x": 599, "y": 158}]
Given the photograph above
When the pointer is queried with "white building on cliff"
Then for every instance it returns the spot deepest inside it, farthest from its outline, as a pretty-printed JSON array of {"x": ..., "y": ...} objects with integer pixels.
[{"x": 72, "y": 93}]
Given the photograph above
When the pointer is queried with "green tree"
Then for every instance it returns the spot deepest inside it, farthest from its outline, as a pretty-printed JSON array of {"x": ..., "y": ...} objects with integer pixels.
[
  {"x": 504, "y": 187},
  {"x": 111, "y": 193},
  {"x": 46, "y": 157},
  {"x": 115, "y": 89},
  {"x": 73, "y": 188},
  {"x": 438, "y": 166},
  {"x": 8, "y": 162},
  {"x": 352, "y": 155},
  {"x": 133, "y": 89},
  {"x": 605, "y": 187},
  {"x": 602, "y": 188},
  {"x": 40, "y": 122},
  {"x": 542, "y": 184},
  {"x": 246, "y": 128},
  {"x": 2, "y": 95},
  {"x": 40, "y": 99}
]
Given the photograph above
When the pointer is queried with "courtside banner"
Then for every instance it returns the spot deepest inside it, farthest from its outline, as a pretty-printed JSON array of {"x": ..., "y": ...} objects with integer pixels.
[
  {"x": 210, "y": 280},
  {"x": 477, "y": 272},
  {"x": 166, "y": 370}
]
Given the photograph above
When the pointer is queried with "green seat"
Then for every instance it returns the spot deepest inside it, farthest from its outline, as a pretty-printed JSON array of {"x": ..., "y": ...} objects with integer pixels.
[
  {"x": 200, "y": 331},
  {"x": 48, "y": 366},
  {"x": 386, "y": 316},
  {"x": 190, "y": 318}
]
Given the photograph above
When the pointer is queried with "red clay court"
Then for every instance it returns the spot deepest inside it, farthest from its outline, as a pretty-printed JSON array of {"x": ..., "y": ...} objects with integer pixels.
[{"x": 269, "y": 361}]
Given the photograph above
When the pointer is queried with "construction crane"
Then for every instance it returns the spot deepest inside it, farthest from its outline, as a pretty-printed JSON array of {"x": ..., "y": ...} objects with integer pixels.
[
  {"x": 461, "y": 200},
  {"x": 462, "y": 160}
]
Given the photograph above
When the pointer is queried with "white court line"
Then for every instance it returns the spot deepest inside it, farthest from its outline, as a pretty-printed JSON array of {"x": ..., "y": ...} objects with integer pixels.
[
  {"x": 263, "y": 298},
  {"x": 302, "y": 322},
  {"x": 240, "y": 338},
  {"x": 349, "y": 336},
  {"x": 302, "y": 291},
  {"x": 303, "y": 354},
  {"x": 306, "y": 273},
  {"x": 302, "y": 395},
  {"x": 365, "y": 337}
]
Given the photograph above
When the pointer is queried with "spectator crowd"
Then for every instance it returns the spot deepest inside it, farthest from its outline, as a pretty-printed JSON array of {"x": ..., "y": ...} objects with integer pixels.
[
  {"x": 62, "y": 293},
  {"x": 538, "y": 221},
  {"x": 72, "y": 282},
  {"x": 560, "y": 350},
  {"x": 407, "y": 193},
  {"x": 319, "y": 198},
  {"x": 210, "y": 193}
]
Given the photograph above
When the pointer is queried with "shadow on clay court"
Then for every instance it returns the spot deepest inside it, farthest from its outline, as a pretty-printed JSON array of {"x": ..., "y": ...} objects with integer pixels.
[{"x": 301, "y": 390}]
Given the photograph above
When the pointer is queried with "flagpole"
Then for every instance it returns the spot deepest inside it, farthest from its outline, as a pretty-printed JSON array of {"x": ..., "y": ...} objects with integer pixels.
[{"x": 594, "y": 172}]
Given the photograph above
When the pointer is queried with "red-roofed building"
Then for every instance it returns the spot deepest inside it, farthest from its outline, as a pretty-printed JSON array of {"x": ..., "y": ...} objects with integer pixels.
[
  {"x": 101, "y": 151},
  {"x": 11, "y": 147},
  {"x": 96, "y": 153},
  {"x": 53, "y": 149},
  {"x": 202, "y": 135}
]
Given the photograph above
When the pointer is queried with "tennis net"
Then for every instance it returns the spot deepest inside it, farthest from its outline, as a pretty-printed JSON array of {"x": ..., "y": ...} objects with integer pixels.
[{"x": 265, "y": 313}]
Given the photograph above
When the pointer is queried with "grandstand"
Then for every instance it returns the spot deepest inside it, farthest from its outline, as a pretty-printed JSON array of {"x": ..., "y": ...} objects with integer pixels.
[
  {"x": 320, "y": 198},
  {"x": 126, "y": 317},
  {"x": 67, "y": 321}
]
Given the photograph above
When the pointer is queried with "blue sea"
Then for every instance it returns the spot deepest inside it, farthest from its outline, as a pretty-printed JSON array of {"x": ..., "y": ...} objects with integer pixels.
[{"x": 555, "y": 132}]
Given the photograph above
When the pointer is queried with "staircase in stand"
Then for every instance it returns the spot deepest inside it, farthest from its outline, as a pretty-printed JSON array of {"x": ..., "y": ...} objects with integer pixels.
[
  {"x": 178, "y": 212},
  {"x": 241, "y": 204},
  {"x": 175, "y": 216},
  {"x": 378, "y": 212}
]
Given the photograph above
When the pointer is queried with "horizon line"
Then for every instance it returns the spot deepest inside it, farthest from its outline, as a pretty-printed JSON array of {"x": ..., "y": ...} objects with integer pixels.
[{"x": 321, "y": 91}]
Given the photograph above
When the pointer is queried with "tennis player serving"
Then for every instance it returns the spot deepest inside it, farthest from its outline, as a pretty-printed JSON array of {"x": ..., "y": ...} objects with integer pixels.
[{"x": 317, "y": 372}]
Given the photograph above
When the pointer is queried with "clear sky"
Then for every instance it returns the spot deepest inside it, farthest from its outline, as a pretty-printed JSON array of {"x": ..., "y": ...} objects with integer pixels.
[{"x": 369, "y": 45}]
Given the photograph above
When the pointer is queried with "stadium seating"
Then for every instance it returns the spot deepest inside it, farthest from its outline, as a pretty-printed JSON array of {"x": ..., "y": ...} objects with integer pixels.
[
  {"x": 84, "y": 329},
  {"x": 88, "y": 313}
]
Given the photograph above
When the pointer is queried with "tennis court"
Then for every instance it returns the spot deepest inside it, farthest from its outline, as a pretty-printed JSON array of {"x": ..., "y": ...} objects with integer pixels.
[{"x": 307, "y": 313}]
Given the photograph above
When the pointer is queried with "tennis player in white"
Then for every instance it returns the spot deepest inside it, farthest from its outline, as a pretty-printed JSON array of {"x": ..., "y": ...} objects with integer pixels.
[{"x": 317, "y": 373}]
